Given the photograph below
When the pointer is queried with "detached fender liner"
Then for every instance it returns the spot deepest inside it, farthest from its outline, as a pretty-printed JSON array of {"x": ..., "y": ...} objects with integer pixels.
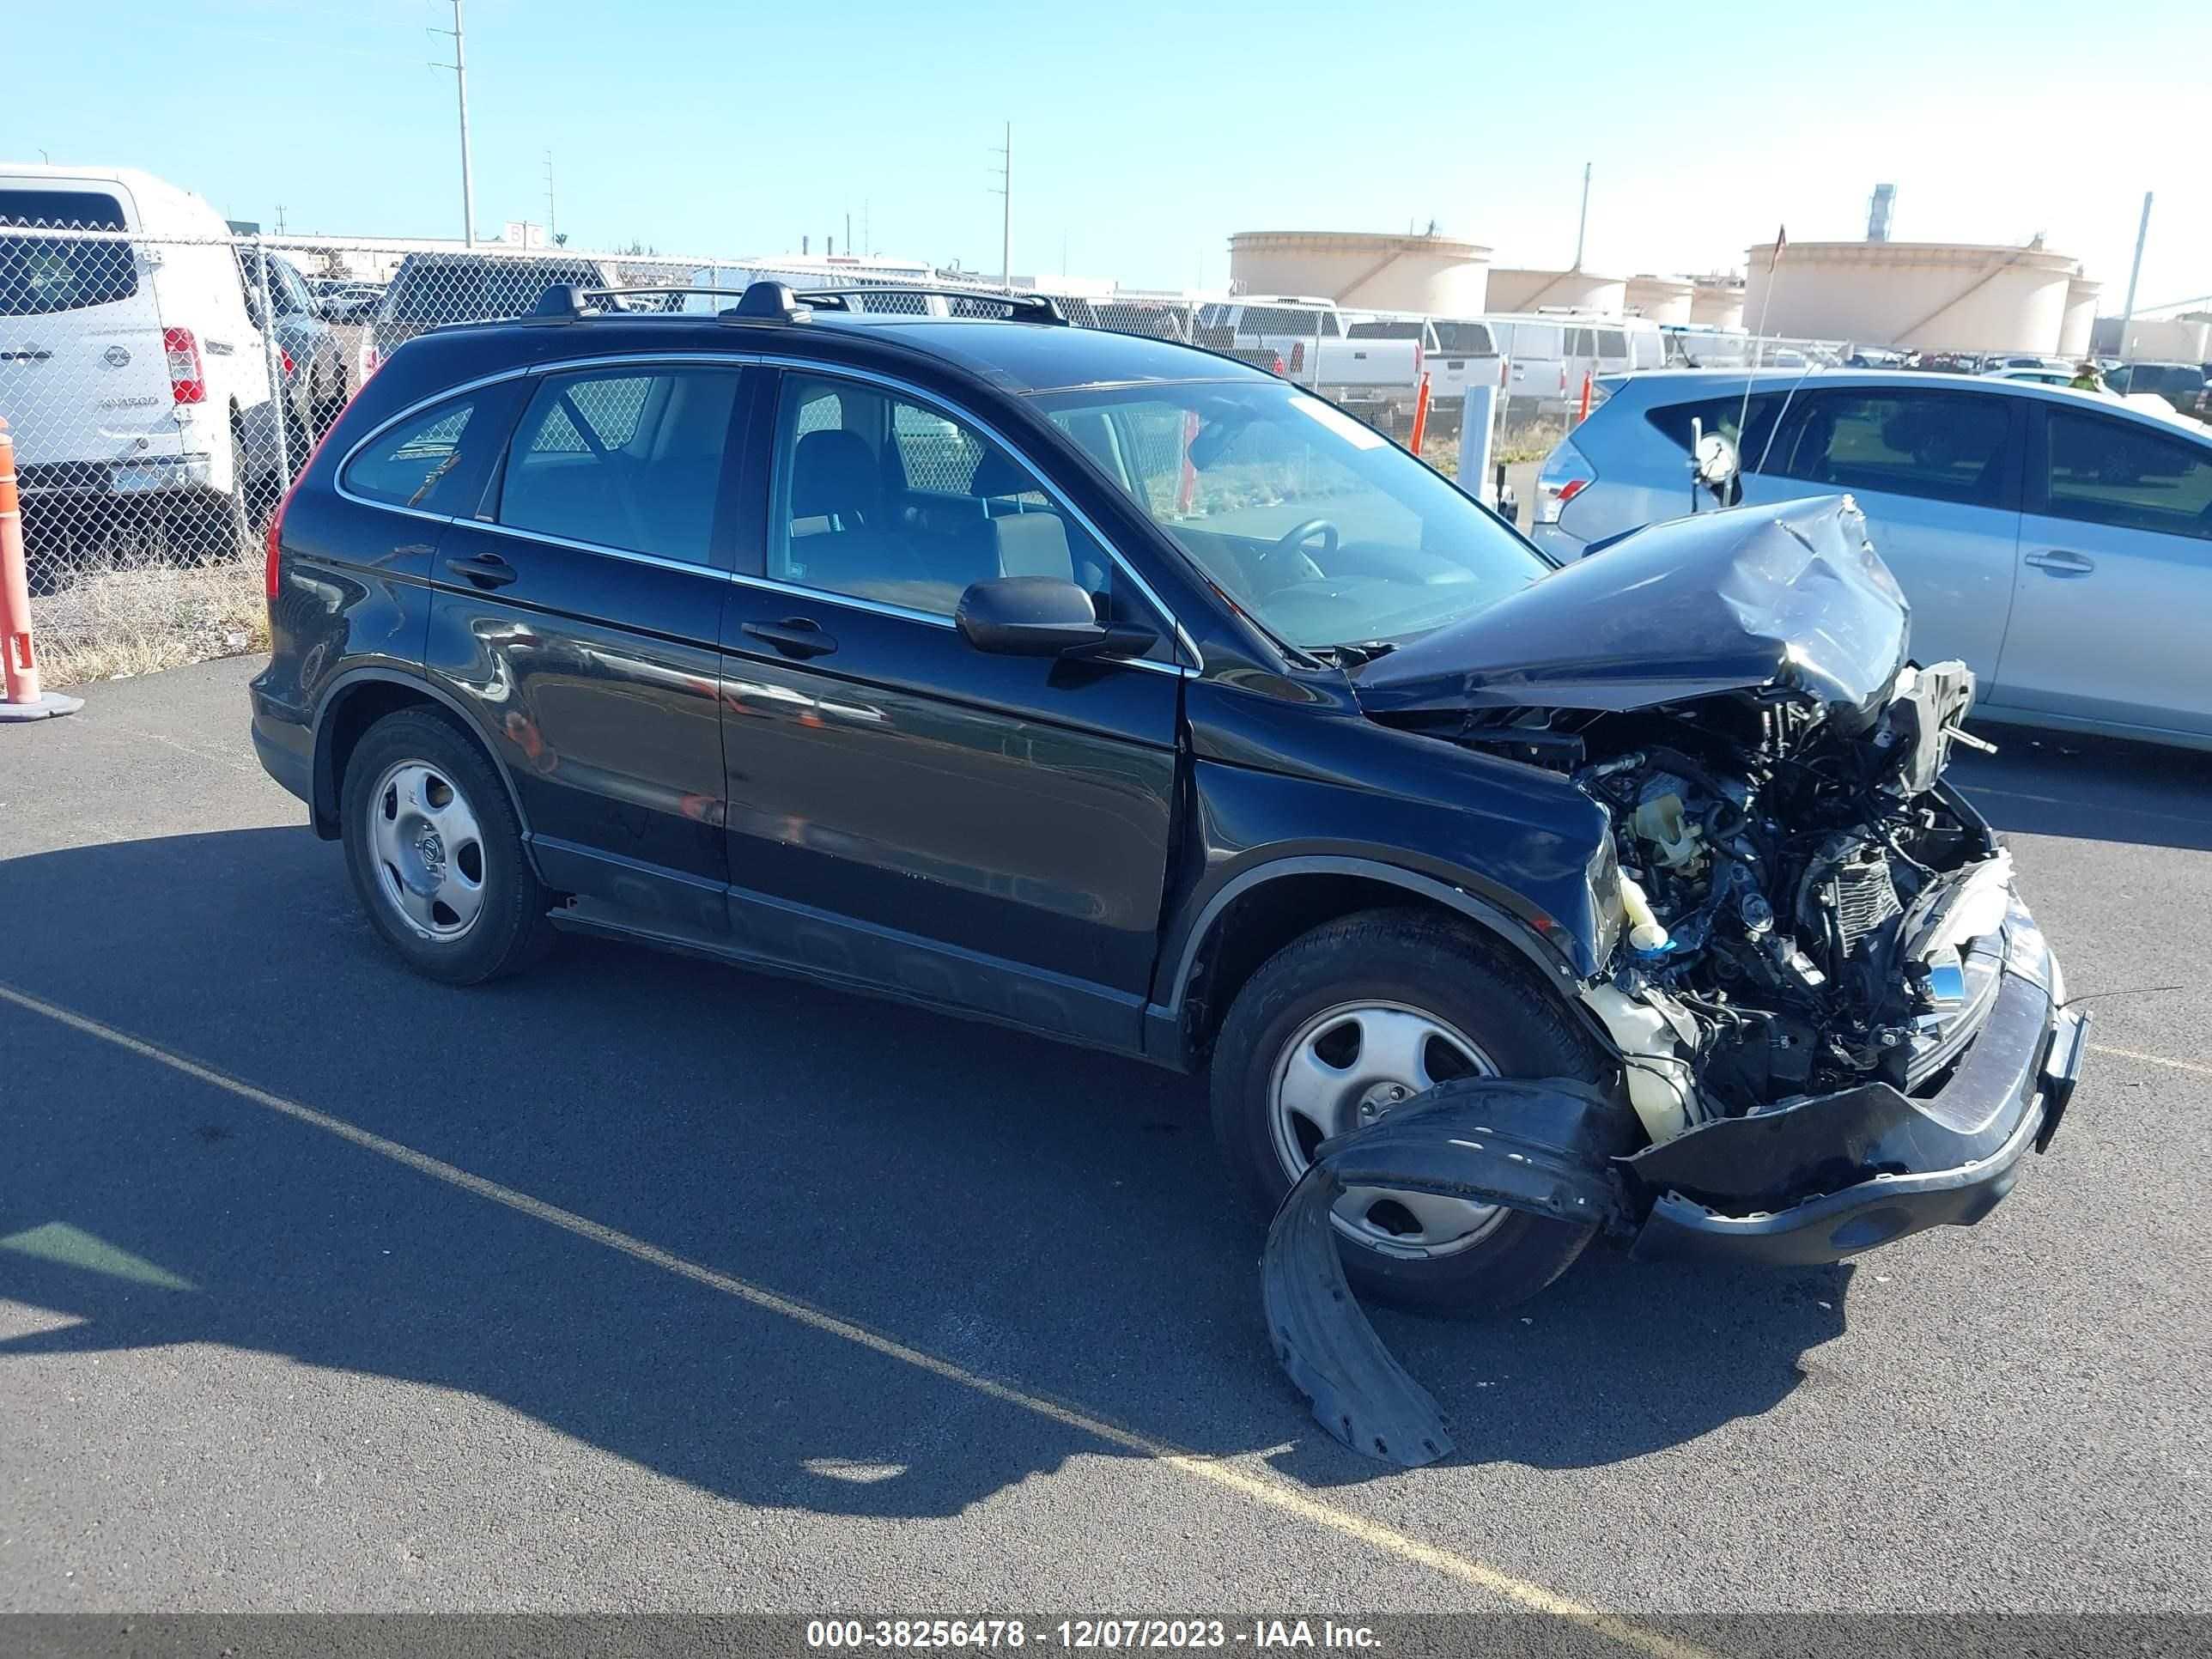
[{"x": 1543, "y": 1146}]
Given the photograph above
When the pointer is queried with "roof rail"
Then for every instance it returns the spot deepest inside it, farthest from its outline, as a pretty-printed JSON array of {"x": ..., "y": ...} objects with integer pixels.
[
  {"x": 1020, "y": 307},
  {"x": 566, "y": 302}
]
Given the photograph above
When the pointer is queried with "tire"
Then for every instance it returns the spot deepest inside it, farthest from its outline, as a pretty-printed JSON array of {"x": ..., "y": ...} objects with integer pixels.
[
  {"x": 1356, "y": 993},
  {"x": 466, "y": 907}
]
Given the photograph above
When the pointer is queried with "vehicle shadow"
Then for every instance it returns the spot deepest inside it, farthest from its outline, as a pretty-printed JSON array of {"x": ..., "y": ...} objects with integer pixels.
[
  {"x": 1050, "y": 1219},
  {"x": 2051, "y": 783}
]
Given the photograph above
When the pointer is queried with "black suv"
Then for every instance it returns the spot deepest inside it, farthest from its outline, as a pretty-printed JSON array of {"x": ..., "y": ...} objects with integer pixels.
[{"x": 1116, "y": 690}]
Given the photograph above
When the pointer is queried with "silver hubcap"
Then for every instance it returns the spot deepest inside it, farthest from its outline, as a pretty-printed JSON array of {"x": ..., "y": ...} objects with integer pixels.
[
  {"x": 1343, "y": 1069},
  {"x": 428, "y": 850}
]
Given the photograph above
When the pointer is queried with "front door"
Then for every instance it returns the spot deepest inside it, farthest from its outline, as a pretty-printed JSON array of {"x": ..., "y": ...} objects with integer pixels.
[
  {"x": 578, "y": 614},
  {"x": 983, "y": 831},
  {"x": 1936, "y": 474},
  {"x": 2115, "y": 585}
]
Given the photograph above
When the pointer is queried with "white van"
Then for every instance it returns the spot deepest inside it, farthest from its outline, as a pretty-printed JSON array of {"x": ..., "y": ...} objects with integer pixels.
[
  {"x": 1551, "y": 351},
  {"x": 129, "y": 364}
]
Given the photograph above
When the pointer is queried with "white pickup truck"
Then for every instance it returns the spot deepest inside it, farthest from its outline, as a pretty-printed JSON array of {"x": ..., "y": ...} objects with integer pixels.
[
  {"x": 1456, "y": 353},
  {"x": 1307, "y": 340}
]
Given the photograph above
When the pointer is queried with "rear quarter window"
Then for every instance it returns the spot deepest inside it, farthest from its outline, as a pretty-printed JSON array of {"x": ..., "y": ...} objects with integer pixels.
[{"x": 434, "y": 460}]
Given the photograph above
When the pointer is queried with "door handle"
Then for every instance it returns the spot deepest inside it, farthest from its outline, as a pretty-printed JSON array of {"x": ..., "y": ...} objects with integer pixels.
[
  {"x": 795, "y": 637},
  {"x": 485, "y": 569},
  {"x": 2059, "y": 562}
]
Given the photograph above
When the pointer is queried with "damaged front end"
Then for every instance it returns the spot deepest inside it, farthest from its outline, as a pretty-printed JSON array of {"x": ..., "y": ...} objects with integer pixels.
[{"x": 1834, "y": 1019}]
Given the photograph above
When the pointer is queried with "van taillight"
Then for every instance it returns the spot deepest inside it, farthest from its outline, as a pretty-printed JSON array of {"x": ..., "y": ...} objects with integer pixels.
[
  {"x": 187, "y": 381},
  {"x": 285, "y": 358}
]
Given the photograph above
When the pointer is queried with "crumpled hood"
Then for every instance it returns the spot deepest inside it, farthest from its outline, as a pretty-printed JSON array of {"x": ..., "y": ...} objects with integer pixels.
[{"x": 1792, "y": 596}]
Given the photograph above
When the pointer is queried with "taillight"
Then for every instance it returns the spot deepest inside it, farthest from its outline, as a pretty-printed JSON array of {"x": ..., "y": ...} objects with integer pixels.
[
  {"x": 285, "y": 358},
  {"x": 272, "y": 572},
  {"x": 1567, "y": 473},
  {"x": 187, "y": 381}
]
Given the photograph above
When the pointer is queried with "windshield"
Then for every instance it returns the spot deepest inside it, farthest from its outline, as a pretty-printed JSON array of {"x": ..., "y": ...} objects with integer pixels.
[{"x": 1318, "y": 526}]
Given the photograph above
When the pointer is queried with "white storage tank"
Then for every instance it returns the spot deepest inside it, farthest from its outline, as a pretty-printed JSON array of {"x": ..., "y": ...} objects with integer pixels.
[
  {"x": 1936, "y": 296},
  {"x": 1440, "y": 275},
  {"x": 1518, "y": 288},
  {"x": 1664, "y": 300},
  {"x": 2080, "y": 316},
  {"x": 1716, "y": 302}
]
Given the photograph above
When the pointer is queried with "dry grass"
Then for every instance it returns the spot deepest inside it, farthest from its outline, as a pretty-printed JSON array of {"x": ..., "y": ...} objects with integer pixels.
[
  {"x": 1526, "y": 441},
  {"x": 111, "y": 623}
]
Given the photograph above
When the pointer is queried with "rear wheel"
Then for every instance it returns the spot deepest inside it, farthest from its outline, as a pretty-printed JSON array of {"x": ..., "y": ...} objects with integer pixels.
[
  {"x": 1343, "y": 1025},
  {"x": 435, "y": 851}
]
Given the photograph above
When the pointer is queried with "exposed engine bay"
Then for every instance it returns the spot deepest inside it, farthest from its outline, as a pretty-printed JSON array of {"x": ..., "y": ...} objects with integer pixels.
[{"x": 1795, "y": 894}]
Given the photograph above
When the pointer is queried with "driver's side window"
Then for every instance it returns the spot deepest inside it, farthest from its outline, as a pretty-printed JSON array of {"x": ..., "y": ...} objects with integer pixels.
[{"x": 885, "y": 499}]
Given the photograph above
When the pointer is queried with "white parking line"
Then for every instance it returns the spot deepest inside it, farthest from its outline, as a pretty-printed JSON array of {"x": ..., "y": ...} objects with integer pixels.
[
  {"x": 2195, "y": 1066},
  {"x": 1260, "y": 1486}
]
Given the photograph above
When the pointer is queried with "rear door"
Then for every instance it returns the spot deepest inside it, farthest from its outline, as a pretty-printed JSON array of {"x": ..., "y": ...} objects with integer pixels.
[
  {"x": 2115, "y": 578},
  {"x": 83, "y": 382},
  {"x": 1937, "y": 475},
  {"x": 577, "y": 613}
]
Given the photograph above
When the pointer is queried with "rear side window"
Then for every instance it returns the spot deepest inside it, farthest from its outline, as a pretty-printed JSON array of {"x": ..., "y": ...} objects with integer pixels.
[
  {"x": 432, "y": 462},
  {"x": 42, "y": 273},
  {"x": 1611, "y": 343},
  {"x": 1728, "y": 416},
  {"x": 624, "y": 458},
  {"x": 1938, "y": 448},
  {"x": 2110, "y": 472}
]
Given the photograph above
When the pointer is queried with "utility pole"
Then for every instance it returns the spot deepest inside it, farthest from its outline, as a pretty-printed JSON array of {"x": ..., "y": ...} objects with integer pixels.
[
  {"x": 461, "y": 69},
  {"x": 1006, "y": 154},
  {"x": 1582, "y": 227},
  {"x": 2135, "y": 271},
  {"x": 280, "y": 218},
  {"x": 551, "y": 224}
]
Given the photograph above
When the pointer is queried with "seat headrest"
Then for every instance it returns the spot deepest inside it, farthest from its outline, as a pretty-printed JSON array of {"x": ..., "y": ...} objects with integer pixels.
[
  {"x": 1033, "y": 545},
  {"x": 833, "y": 472}
]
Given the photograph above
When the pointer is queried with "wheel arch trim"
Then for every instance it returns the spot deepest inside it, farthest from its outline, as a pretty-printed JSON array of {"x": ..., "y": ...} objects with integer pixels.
[
  {"x": 1492, "y": 918},
  {"x": 326, "y": 782}
]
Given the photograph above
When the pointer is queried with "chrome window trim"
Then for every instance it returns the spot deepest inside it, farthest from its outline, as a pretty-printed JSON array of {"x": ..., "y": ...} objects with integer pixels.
[{"x": 770, "y": 360}]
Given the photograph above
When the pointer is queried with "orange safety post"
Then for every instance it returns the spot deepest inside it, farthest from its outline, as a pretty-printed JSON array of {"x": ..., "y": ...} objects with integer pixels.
[
  {"x": 19, "y": 664},
  {"x": 1421, "y": 413},
  {"x": 1582, "y": 414}
]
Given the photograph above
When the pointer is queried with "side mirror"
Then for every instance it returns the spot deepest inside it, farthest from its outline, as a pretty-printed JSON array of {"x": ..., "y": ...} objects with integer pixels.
[{"x": 1042, "y": 616}]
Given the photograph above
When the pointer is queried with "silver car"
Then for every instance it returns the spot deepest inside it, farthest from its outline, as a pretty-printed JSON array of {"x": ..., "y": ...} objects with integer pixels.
[{"x": 2059, "y": 544}]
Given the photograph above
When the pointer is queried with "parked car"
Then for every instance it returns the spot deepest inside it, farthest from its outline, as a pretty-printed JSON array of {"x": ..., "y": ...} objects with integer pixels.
[
  {"x": 311, "y": 361},
  {"x": 2060, "y": 543},
  {"x": 1127, "y": 695},
  {"x": 130, "y": 364},
  {"x": 433, "y": 288},
  {"x": 2181, "y": 384}
]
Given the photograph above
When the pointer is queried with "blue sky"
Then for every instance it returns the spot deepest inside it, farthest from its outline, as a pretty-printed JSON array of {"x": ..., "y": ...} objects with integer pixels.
[{"x": 1144, "y": 133}]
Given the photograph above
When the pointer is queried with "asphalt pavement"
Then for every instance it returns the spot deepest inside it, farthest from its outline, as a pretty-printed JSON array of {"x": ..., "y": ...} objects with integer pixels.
[{"x": 637, "y": 1283}]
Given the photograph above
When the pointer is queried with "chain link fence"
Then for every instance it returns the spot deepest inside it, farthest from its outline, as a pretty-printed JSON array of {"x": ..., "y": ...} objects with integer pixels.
[{"x": 163, "y": 392}]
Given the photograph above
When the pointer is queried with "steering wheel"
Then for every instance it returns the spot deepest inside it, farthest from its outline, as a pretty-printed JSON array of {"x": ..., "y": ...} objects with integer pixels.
[
  {"x": 1283, "y": 561},
  {"x": 1299, "y": 534}
]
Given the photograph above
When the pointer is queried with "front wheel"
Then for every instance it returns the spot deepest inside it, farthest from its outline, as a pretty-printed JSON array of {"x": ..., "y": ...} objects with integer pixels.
[
  {"x": 1349, "y": 1021},
  {"x": 435, "y": 851}
]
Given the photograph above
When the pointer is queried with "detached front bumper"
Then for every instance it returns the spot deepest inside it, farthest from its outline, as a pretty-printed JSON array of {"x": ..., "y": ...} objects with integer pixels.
[{"x": 1833, "y": 1175}]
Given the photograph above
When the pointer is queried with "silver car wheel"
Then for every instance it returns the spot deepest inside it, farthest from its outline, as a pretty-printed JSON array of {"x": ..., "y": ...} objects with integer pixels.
[
  {"x": 429, "y": 849},
  {"x": 1343, "y": 1069}
]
